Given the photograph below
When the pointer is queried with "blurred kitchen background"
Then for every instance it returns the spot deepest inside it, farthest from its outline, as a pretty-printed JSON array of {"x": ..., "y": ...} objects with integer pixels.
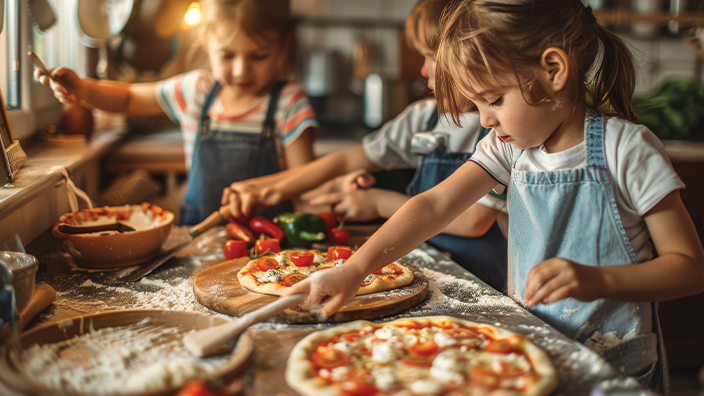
[{"x": 353, "y": 59}]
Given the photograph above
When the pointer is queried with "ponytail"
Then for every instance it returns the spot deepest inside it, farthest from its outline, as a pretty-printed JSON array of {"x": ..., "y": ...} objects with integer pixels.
[{"x": 614, "y": 78}]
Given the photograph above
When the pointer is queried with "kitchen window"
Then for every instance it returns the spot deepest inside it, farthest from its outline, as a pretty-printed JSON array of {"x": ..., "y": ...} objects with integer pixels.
[{"x": 30, "y": 104}]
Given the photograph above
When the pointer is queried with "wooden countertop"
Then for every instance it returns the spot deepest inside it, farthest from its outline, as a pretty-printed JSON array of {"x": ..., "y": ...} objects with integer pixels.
[{"x": 453, "y": 291}]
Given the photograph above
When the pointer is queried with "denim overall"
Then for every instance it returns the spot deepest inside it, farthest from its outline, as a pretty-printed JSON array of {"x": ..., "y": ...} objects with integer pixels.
[
  {"x": 572, "y": 214},
  {"x": 484, "y": 256},
  {"x": 224, "y": 153}
]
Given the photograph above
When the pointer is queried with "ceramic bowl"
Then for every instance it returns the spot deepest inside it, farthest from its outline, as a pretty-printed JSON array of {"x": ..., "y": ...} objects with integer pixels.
[
  {"x": 23, "y": 268},
  {"x": 112, "y": 249}
]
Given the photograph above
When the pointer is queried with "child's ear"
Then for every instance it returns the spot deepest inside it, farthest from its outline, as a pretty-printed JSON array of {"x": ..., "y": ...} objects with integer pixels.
[{"x": 555, "y": 63}]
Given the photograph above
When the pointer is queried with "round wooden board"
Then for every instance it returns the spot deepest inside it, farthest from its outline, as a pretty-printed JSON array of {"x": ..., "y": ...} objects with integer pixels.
[
  {"x": 184, "y": 322},
  {"x": 218, "y": 289}
]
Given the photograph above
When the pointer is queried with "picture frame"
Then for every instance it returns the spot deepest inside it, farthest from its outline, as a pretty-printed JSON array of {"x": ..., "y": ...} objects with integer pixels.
[{"x": 11, "y": 156}]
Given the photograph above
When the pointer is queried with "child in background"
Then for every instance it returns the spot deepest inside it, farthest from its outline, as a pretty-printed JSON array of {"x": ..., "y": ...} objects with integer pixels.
[
  {"x": 417, "y": 138},
  {"x": 585, "y": 192},
  {"x": 235, "y": 118}
]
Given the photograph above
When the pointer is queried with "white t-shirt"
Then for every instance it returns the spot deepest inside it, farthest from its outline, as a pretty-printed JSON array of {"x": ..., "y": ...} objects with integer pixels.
[
  {"x": 641, "y": 172},
  {"x": 392, "y": 147}
]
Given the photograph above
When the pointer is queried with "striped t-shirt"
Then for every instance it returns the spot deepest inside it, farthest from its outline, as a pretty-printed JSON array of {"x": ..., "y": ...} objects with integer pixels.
[{"x": 182, "y": 98}]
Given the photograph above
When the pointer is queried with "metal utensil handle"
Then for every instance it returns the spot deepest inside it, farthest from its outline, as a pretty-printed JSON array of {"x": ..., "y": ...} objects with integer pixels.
[{"x": 214, "y": 219}]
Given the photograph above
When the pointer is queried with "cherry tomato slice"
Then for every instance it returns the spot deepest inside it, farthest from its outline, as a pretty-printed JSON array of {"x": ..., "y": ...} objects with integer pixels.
[
  {"x": 426, "y": 348},
  {"x": 358, "y": 388},
  {"x": 339, "y": 252},
  {"x": 234, "y": 249},
  {"x": 302, "y": 259},
  {"x": 328, "y": 358},
  {"x": 379, "y": 271},
  {"x": 262, "y": 245},
  {"x": 292, "y": 279},
  {"x": 267, "y": 263}
]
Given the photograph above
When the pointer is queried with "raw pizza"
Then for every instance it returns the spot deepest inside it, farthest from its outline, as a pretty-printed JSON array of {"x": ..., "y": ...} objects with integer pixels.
[
  {"x": 435, "y": 355},
  {"x": 276, "y": 272}
]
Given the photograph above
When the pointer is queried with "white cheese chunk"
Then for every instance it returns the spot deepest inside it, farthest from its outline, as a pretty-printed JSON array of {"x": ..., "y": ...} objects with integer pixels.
[
  {"x": 387, "y": 332},
  {"x": 343, "y": 346},
  {"x": 426, "y": 386},
  {"x": 385, "y": 377},
  {"x": 271, "y": 275},
  {"x": 444, "y": 339},
  {"x": 384, "y": 352}
]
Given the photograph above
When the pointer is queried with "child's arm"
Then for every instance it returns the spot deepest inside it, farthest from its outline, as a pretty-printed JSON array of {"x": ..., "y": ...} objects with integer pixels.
[
  {"x": 677, "y": 272},
  {"x": 420, "y": 218},
  {"x": 247, "y": 196},
  {"x": 368, "y": 204},
  {"x": 112, "y": 96}
]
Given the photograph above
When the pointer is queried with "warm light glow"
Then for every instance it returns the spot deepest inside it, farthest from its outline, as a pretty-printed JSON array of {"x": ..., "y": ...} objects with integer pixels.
[{"x": 192, "y": 17}]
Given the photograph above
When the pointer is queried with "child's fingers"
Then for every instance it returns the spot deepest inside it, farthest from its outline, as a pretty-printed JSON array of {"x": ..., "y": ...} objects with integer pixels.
[
  {"x": 234, "y": 205},
  {"x": 365, "y": 180},
  {"x": 540, "y": 291},
  {"x": 335, "y": 304},
  {"x": 560, "y": 293},
  {"x": 326, "y": 199}
]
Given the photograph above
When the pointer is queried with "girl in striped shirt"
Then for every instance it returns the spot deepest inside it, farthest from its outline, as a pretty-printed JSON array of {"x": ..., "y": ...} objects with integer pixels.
[{"x": 240, "y": 119}]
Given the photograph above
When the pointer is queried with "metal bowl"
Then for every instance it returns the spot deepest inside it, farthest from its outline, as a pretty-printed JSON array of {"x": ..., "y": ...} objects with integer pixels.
[
  {"x": 113, "y": 249},
  {"x": 23, "y": 268}
]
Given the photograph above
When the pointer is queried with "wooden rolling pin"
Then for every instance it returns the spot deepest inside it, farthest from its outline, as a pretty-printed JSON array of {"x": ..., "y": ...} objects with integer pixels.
[{"x": 42, "y": 297}]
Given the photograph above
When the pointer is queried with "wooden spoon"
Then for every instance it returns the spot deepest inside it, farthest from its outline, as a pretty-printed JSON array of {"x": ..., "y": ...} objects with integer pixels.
[{"x": 213, "y": 340}]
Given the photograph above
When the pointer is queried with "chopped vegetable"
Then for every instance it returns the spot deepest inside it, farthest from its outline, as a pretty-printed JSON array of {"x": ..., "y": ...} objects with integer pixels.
[
  {"x": 264, "y": 245},
  {"x": 302, "y": 259},
  {"x": 267, "y": 263},
  {"x": 238, "y": 231},
  {"x": 266, "y": 226}
]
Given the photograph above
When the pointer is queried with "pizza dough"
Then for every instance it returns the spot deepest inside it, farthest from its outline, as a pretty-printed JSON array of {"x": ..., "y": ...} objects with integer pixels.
[
  {"x": 283, "y": 273},
  {"x": 419, "y": 356}
]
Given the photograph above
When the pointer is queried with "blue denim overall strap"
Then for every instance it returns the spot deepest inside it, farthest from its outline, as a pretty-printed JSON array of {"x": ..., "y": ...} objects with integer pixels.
[
  {"x": 223, "y": 155},
  {"x": 484, "y": 256},
  {"x": 572, "y": 214}
]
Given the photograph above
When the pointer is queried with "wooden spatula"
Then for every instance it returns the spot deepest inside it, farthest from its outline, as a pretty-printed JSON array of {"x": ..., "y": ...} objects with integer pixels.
[{"x": 213, "y": 340}]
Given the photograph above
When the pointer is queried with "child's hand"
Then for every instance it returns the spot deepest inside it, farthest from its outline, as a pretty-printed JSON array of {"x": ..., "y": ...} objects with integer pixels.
[
  {"x": 245, "y": 200},
  {"x": 557, "y": 278},
  {"x": 358, "y": 205},
  {"x": 340, "y": 284},
  {"x": 71, "y": 84}
]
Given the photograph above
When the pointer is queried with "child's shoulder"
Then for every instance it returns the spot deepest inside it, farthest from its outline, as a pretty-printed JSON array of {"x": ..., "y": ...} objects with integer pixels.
[{"x": 626, "y": 131}]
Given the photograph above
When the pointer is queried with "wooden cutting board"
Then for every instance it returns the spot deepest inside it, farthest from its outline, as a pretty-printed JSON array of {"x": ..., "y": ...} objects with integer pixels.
[
  {"x": 150, "y": 320},
  {"x": 218, "y": 289}
]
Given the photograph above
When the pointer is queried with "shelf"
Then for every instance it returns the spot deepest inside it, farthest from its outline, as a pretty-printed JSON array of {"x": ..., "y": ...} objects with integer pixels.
[{"x": 662, "y": 18}]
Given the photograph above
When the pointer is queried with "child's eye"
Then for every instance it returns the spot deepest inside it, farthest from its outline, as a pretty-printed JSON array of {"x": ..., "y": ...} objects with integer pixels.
[
  {"x": 260, "y": 56},
  {"x": 497, "y": 102}
]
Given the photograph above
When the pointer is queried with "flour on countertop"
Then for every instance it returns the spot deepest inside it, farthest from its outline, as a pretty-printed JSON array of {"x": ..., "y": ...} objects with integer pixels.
[{"x": 124, "y": 360}]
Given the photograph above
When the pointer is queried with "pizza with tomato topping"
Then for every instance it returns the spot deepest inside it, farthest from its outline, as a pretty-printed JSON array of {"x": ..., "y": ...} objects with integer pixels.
[
  {"x": 274, "y": 273},
  {"x": 435, "y": 355}
]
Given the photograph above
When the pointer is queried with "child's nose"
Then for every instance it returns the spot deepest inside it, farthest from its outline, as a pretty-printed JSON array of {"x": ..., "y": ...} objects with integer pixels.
[
  {"x": 487, "y": 120},
  {"x": 238, "y": 67}
]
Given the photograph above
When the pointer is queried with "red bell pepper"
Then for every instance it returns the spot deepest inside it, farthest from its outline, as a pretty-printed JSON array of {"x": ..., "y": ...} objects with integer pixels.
[
  {"x": 238, "y": 231},
  {"x": 266, "y": 226},
  {"x": 330, "y": 220}
]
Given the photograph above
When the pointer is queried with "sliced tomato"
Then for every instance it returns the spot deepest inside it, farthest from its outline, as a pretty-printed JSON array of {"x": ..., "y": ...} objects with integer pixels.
[
  {"x": 267, "y": 263},
  {"x": 339, "y": 252},
  {"x": 327, "y": 358},
  {"x": 379, "y": 271},
  {"x": 234, "y": 249},
  {"x": 426, "y": 348},
  {"x": 358, "y": 388},
  {"x": 292, "y": 279},
  {"x": 302, "y": 259},
  {"x": 262, "y": 245}
]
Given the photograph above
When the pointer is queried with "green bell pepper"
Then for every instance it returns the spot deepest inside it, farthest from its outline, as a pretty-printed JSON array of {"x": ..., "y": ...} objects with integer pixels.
[{"x": 301, "y": 229}]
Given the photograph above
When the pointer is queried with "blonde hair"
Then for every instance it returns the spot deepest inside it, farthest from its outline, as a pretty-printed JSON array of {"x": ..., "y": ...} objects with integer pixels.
[
  {"x": 488, "y": 41},
  {"x": 422, "y": 27},
  {"x": 266, "y": 20}
]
